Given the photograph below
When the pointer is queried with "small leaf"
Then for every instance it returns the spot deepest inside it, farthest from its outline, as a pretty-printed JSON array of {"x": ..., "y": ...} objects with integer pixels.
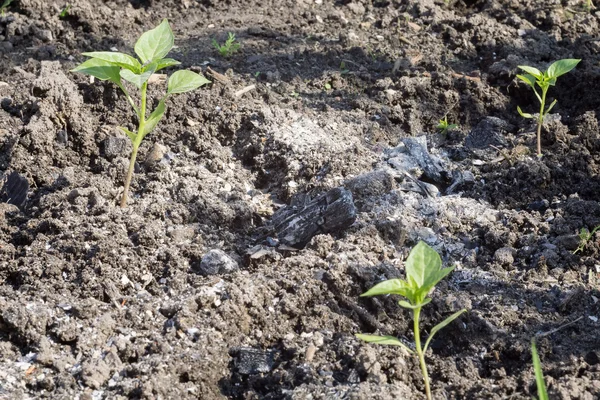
[
  {"x": 532, "y": 71},
  {"x": 406, "y": 304},
  {"x": 184, "y": 81},
  {"x": 154, "y": 118},
  {"x": 120, "y": 59},
  {"x": 442, "y": 325},
  {"x": 132, "y": 135},
  {"x": 561, "y": 67},
  {"x": 391, "y": 286},
  {"x": 528, "y": 79},
  {"x": 421, "y": 263},
  {"x": 138, "y": 79},
  {"x": 389, "y": 340},
  {"x": 100, "y": 69},
  {"x": 550, "y": 107},
  {"x": 523, "y": 114},
  {"x": 166, "y": 62},
  {"x": 156, "y": 43},
  {"x": 539, "y": 374}
]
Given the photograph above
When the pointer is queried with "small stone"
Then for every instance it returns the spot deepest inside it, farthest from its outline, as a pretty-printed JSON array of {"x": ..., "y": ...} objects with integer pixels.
[
  {"x": 217, "y": 262},
  {"x": 156, "y": 154},
  {"x": 504, "y": 255},
  {"x": 491, "y": 131},
  {"x": 250, "y": 361},
  {"x": 115, "y": 146}
]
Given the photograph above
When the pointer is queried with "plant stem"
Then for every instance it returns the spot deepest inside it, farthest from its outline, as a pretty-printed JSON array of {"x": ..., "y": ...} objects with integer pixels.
[
  {"x": 416, "y": 316},
  {"x": 136, "y": 145},
  {"x": 541, "y": 122}
]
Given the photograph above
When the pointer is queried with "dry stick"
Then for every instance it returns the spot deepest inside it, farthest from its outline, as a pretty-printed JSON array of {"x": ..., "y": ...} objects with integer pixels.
[
  {"x": 559, "y": 328},
  {"x": 244, "y": 90}
]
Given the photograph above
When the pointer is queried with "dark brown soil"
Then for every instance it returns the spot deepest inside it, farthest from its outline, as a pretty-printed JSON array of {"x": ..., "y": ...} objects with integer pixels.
[{"x": 102, "y": 302}]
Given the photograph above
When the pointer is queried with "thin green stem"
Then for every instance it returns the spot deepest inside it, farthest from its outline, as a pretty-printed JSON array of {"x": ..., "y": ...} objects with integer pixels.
[
  {"x": 136, "y": 145},
  {"x": 541, "y": 121},
  {"x": 420, "y": 353}
]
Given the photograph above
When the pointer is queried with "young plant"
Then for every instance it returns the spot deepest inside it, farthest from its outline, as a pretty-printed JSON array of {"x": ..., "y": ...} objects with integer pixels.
[
  {"x": 444, "y": 126},
  {"x": 423, "y": 271},
  {"x": 229, "y": 48},
  {"x": 65, "y": 11},
  {"x": 4, "y": 7},
  {"x": 539, "y": 375},
  {"x": 544, "y": 80},
  {"x": 584, "y": 237},
  {"x": 151, "y": 48}
]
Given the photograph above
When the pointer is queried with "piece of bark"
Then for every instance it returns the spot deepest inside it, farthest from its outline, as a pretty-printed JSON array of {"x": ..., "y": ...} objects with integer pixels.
[{"x": 331, "y": 212}]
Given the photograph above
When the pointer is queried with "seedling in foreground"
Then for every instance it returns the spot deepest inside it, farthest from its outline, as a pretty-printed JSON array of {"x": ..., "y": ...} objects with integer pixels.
[
  {"x": 539, "y": 375},
  {"x": 65, "y": 12},
  {"x": 151, "y": 48},
  {"x": 229, "y": 48},
  {"x": 444, "y": 126},
  {"x": 584, "y": 237},
  {"x": 544, "y": 80},
  {"x": 423, "y": 272}
]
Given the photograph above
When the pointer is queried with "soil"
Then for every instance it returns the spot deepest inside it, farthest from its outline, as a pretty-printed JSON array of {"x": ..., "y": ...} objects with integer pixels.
[{"x": 169, "y": 297}]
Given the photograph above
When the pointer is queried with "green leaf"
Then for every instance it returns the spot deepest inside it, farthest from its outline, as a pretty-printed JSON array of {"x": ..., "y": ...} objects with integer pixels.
[
  {"x": 156, "y": 43},
  {"x": 120, "y": 59},
  {"x": 139, "y": 79},
  {"x": 132, "y": 135},
  {"x": 391, "y": 286},
  {"x": 406, "y": 304},
  {"x": 422, "y": 264},
  {"x": 389, "y": 340},
  {"x": 184, "y": 81},
  {"x": 550, "y": 107},
  {"x": 154, "y": 118},
  {"x": 166, "y": 62},
  {"x": 539, "y": 375},
  {"x": 528, "y": 79},
  {"x": 523, "y": 114},
  {"x": 100, "y": 69},
  {"x": 442, "y": 325},
  {"x": 532, "y": 71},
  {"x": 561, "y": 67}
]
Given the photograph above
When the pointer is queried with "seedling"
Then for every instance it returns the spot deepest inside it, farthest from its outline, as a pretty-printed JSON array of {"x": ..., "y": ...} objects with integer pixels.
[
  {"x": 151, "y": 48},
  {"x": 424, "y": 271},
  {"x": 544, "y": 80},
  {"x": 539, "y": 375},
  {"x": 65, "y": 12},
  {"x": 584, "y": 237},
  {"x": 229, "y": 48},
  {"x": 444, "y": 126},
  {"x": 4, "y": 7}
]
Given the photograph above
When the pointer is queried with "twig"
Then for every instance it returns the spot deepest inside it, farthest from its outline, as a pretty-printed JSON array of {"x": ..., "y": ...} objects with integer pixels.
[
  {"x": 244, "y": 90},
  {"x": 539, "y": 335}
]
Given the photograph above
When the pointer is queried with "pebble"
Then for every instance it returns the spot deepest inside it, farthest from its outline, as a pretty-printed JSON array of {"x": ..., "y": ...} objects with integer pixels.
[{"x": 217, "y": 262}]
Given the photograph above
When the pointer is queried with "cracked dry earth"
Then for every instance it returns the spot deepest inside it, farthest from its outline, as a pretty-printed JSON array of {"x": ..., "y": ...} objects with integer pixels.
[{"x": 203, "y": 289}]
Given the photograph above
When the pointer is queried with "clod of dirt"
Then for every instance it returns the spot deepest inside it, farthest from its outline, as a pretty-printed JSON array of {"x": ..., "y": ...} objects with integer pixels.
[
  {"x": 250, "y": 361},
  {"x": 331, "y": 212},
  {"x": 489, "y": 132},
  {"x": 217, "y": 262},
  {"x": 14, "y": 190}
]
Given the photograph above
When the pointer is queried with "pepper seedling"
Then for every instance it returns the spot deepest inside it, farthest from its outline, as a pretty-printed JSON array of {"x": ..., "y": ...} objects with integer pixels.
[
  {"x": 151, "y": 48},
  {"x": 544, "y": 80},
  {"x": 423, "y": 271}
]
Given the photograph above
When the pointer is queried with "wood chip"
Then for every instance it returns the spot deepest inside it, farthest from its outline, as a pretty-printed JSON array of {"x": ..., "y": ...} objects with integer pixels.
[
  {"x": 216, "y": 75},
  {"x": 244, "y": 90}
]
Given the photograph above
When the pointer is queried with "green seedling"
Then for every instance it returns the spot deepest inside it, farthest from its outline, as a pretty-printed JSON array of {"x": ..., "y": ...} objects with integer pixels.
[
  {"x": 444, "y": 126},
  {"x": 151, "y": 48},
  {"x": 65, "y": 11},
  {"x": 584, "y": 237},
  {"x": 327, "y": 86},
  {"x": 544, "y": 80},
  {"x": 539, "y": 375},
  {"x": 343, "y": 68},
  {"x": 229, "y": 48},
  {"x": 4, "y": 7},
  {"x": 423, "y": 271}
]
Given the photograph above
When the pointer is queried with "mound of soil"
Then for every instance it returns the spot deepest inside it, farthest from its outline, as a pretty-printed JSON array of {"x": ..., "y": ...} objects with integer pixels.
[{"x": 325, "y": 119}]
